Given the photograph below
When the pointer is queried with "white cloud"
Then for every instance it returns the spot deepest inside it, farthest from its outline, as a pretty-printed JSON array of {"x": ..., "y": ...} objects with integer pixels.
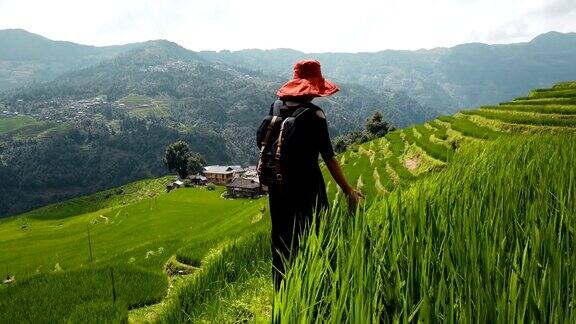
[
  {"x": 320, "y": 25},
  {"x": 537, "y": 17}
]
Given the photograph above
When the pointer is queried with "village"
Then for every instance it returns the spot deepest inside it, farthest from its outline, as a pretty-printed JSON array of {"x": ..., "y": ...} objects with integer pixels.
[
  {"x": 67, "y": 110},
  {"x": 240, "y": 182}
]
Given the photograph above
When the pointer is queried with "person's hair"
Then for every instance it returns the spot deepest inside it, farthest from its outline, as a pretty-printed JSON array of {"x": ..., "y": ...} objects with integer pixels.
[{"x": 299, "y": 98}]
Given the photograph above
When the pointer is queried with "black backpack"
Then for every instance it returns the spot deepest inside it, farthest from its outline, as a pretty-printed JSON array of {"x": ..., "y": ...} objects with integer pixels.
[{"x": 273, "y": 134}]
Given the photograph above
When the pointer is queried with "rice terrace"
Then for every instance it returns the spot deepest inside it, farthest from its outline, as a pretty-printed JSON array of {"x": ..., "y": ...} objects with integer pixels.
[
  {"x": 287, "y": 162},
  {"x": 471, "y": 216}
]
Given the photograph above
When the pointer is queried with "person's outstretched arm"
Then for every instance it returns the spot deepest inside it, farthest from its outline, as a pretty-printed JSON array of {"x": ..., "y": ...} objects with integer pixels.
[{"x": 352, "y": 195}]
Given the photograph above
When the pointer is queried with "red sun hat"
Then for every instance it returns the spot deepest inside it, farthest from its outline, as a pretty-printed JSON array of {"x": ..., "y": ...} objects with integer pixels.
[{"x": 307, "y": 81}]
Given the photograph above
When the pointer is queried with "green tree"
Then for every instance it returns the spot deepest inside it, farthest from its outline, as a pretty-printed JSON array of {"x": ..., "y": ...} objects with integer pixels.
[
  {"x": 340, "y": 144},
  {"x": 176, "y": 158},
  {"x": 376, "y": 126},
  {"x": 195, "y": 163}
]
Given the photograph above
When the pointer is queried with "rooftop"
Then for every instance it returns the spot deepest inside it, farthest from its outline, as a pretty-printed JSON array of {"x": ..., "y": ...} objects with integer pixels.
[
  {"x": 223, "y": 169},
  {"x": 244, "y": 183}
]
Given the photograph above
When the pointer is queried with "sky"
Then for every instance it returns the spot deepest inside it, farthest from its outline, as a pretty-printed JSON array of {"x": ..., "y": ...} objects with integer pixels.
[{"x": 305, "y": 25}]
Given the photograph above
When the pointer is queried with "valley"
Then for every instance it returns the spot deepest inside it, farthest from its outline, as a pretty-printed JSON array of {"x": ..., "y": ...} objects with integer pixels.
[{"x": 469, "y": 214}]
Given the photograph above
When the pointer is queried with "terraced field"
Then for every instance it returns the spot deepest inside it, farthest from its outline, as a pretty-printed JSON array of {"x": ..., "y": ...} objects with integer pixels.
[
  {"x": 379, "y": 166},
  {"x": 141, "y": 239},
  {"x": 137, "y": 236}
]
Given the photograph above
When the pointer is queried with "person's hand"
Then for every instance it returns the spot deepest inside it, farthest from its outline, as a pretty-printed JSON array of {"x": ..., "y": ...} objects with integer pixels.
[{"x": 354, "y": 197}]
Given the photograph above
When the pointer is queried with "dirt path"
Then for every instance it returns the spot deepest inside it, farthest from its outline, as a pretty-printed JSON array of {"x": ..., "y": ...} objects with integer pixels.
[
  {"x": 412, "y": 164},
  {"x": 179, "y": 274}
]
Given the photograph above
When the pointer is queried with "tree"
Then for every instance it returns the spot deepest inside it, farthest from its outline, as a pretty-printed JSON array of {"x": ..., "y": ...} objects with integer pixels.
[
  {"x": 176, "y": 158},
  {"x": 358, "y": 137},
  {"x": 195, "y": 163},
  {"x": 340, "y": 144},
  {"x": 376, "y": 126}
]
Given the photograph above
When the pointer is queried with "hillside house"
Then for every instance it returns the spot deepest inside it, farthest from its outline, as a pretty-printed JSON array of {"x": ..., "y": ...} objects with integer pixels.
[
  {"x": 222, "y": 175},
  {"x": 198, "y": 180},
  {"x": 174, "y": 185},
  {"x": 243, "y": 188}
]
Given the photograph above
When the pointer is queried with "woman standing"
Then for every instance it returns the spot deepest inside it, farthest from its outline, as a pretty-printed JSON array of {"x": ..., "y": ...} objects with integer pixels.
[{"x": 289, "y": 161}]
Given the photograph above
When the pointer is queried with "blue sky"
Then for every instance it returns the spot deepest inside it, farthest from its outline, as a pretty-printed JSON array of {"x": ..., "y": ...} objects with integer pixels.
[{"x": 311, "y": 25}]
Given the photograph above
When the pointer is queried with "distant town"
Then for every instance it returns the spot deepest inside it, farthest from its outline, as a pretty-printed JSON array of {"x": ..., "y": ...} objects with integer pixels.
[{"x": 68, "y": 110}]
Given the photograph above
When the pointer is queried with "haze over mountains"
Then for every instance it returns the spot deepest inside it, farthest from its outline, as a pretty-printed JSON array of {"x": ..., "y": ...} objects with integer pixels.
[
  {"x": 99, "y": 117},
  {"x": 446, "y": 79}
]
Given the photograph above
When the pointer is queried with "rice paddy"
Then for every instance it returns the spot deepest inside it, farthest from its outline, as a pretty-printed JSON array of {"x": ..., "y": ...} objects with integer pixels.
[
  {"x": 467, "y": 219},
  {"x": 439, "y": 139},
  {"x": 488, "y": 240},
  {"x": 70, "y": 249}
]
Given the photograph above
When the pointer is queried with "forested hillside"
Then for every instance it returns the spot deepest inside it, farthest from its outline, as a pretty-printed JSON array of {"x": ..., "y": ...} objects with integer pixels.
[
  {"x": 26, "y": 58},
  {"x": 109, "y": 123}
]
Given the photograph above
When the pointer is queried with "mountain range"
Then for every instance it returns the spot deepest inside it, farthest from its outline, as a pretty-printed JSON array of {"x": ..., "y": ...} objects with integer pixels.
[{"x": 445, "y": 79}]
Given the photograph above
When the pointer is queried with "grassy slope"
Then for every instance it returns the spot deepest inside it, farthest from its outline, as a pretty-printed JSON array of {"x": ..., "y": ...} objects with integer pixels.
[
  {"x": 424, "y": 149},
  {"x": 8, "y": 124},
  {"x": 136, "y": 238}
]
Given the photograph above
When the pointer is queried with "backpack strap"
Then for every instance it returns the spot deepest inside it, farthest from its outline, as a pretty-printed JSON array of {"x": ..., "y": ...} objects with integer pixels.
[
  {"x": 276, "y": 106},
  {"x": 297, "y": 113}
]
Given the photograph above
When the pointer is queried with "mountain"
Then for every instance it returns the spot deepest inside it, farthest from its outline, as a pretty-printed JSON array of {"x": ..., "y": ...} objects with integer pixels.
[
  {"x": 445, "y": 79},
  {"x": 109, "y": 123},
  {"x": 112, "y": 110},
  {"x": 220, "y": 97},
  {"x": 26, "y": 57}
]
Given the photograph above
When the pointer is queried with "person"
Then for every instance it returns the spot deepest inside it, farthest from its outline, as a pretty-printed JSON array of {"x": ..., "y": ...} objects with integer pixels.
[{"x": 301, "y": 193}]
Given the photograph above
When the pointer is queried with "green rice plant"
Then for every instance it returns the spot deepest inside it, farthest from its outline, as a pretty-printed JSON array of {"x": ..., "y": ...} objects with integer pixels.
[
  {"x": 99, "y": 312},
  {"x": 541, "y": 120},
  {"x": 564, "y": 85},
  {"x": 424, "y": 131},
  {"x": 397, "y": 145},
  {"x": 54, "y": 297},
  {"x": 440, "y": 130},
  {"x": 469, "y": 128},
  {"x": 489, "y": 240},
  {"x": 385, "y": 179},
  {"x": 541, "y": 109},
  {"x": 437, "y": 151},
  {"x": 552, "y": 93},
  {"x": 400, "y": 170},
  {"x": 543, "y": 101},
  {"x": 145, "y": 231},
  {"x": 193, "y": 253},
  {"x": 239, "y": 261}
]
